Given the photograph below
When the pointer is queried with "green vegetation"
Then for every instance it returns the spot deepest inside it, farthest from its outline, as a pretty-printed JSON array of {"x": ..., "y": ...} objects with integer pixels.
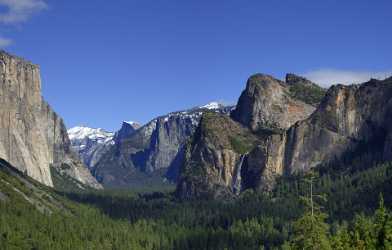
[
  {"x": 310, "y": 94},
  {"x": 241, "y": 145},
  {"x": 348, "y": 218},
  {"x": 225, "y": 133},
  {"x": 65, "y": 183}
]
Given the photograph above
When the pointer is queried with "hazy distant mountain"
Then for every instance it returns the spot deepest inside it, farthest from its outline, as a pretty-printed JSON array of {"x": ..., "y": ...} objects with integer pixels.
[
  {"x": 90, "y": 143},
  {"x": 152, "y": 153}
]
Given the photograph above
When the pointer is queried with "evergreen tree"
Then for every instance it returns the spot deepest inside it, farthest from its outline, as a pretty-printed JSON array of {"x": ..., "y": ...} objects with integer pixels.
[
  {"x": 311, "y": 232},
  {"x": 341, "y": 240},
  {"x": 363, "y": 234},
  {"x": 382, "y": 219}
]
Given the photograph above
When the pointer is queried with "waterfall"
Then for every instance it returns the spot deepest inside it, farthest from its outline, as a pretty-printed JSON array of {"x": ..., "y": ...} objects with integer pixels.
[{"x": 237, "y": 182}]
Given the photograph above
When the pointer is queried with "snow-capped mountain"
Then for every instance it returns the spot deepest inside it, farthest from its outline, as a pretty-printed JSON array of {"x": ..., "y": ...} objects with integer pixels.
[
  {"x": 155, "y": 150},
  {"x": 98, "y": 134},
  {"x": 90, "y": 143},
  {"x": 135, "y": 153},
  {"x": 212, "y": 105}
]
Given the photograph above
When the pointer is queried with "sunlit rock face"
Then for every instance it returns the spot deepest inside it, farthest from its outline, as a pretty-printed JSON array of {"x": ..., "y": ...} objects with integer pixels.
[
  {"x": 33, "y": 136},
  {"x": 350, "y": 123},
  {"x": 266, "y": 103},
  {"x": 349, "y": 119}
]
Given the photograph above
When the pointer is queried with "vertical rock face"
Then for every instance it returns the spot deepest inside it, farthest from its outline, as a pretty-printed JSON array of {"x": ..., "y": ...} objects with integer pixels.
[
  {"x": 152, "y": 153},
  {"x": 214, "y": 159},
  {"x": 351, "y": 122},
  {"x": 33, "y": 137},
  {"x": 266, "y": 103},
  {"x": 349, "y": 117},
  {"x": 167, "y": 141},
  {"x": 127, "y": 129},
  {"x": 265, "y": 163},
  {"x": 226, "y": 148}
]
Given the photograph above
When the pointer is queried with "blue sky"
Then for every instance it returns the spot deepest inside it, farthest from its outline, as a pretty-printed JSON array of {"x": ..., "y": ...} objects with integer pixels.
[{"x": 103, "y": 62}]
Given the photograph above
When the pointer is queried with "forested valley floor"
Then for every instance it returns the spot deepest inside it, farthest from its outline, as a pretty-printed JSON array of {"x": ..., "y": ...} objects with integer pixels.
[{"x": 349, "y": 209}]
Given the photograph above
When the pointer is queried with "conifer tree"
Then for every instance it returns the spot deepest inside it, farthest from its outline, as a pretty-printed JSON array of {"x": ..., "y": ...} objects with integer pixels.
[
  {"x": 382, "y": 226},
  {"x": 311, "y": 232}
]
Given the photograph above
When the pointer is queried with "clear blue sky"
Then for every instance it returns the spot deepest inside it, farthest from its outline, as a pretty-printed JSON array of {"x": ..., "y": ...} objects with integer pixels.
[{"x": 103, "y": 62}]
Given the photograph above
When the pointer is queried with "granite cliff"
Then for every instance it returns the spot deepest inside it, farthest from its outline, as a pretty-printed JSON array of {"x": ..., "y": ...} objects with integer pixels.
[
  {"x": 33, "y": 136},
  {"x": 214, "y": 158},
  {"x": 224, "y": 154},
  {"x": 349, "y": 123},
  {"x": 267, "y": 104},
  {"x": 153, "y": 153}
]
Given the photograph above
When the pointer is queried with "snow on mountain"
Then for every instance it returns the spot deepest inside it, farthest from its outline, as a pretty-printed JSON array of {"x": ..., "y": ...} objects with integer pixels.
[
  {"x": 90, "y": 143},
  {"x": 98, "y": 134},
  {"x": 212, "y": 105},
  {"x": 135, "y": 125},
  {"x": 93, "y": 143},
  {"x": 156, "y": 149}
]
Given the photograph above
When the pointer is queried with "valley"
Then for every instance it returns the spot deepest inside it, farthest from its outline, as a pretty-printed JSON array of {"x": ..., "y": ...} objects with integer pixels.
[{"x": 292, "y": 164}]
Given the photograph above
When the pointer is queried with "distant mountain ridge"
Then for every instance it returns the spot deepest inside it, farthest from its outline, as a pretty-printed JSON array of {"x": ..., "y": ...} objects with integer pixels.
[
  {"x": 138, "y": 154},
  {"x": 90, "y": 143}
]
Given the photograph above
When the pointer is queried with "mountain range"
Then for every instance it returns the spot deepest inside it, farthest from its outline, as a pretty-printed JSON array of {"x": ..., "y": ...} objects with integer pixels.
[
  {"x": 291, "y": 166},
  {"x": 139, "y": 155},
  {"x": 275, "y": 132},
  {"x": 278, "y": 128}
]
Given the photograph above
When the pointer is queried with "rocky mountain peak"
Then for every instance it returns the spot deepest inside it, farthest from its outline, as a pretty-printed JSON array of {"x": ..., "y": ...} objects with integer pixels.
[
  {"x": 82, "y": 132},
  {"x": 155, "y": 151},
  {"x": 212, "y": 105},
  {"x": 261, "y": 80},
  {"x": 267, "y": 103},
  {"x": 127, "y": 129},
  {"x": 134, "y": 125}
]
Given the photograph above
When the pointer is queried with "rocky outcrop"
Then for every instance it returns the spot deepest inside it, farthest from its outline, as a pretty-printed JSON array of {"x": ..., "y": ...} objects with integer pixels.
[
  {"x": 127, "y": 129},
  {"x": 351, "y": 124},
  {"x": 33, "y": 136},
  {"x": 264, "y": 111},
  {"x": 302, "y": 89},
  {"x": 215, "y": 157},
  {"x": 267, "y": 104},
  {"x": 350, "y": 118},
  {"x": 152, "y": 153},
  {"x": 90, "y": 144}
]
